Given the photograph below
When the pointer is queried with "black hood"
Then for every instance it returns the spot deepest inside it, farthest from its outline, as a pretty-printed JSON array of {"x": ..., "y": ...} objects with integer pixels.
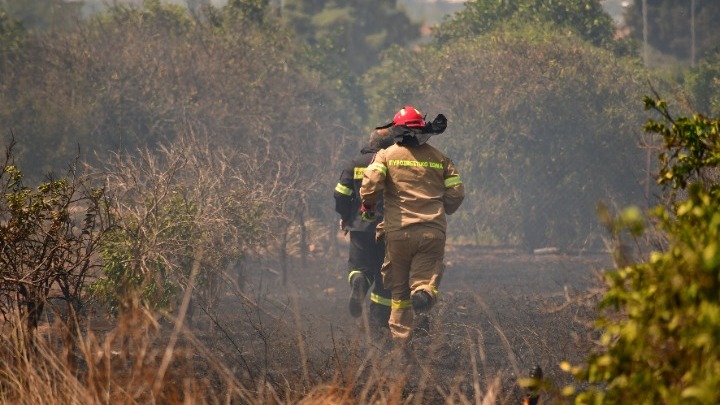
[{"x": 407, "y": 136}]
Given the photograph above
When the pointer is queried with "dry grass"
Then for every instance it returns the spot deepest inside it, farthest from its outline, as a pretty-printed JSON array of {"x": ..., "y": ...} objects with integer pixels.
[
  {"x": 122, "y": 365},
  {"x": 274, "y": 347}
]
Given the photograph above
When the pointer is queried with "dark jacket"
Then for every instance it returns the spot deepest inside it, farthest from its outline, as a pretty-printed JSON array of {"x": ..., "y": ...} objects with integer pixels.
[{"x": 347, "y": 193}]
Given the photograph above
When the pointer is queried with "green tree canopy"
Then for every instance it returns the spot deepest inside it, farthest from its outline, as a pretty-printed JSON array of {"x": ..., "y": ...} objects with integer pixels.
[
  {"x": 353, "y": 32},
  {"x": 586, "y": 17},
  {"x": 349, "y": 35},
  {"x": 11, "y": 37},
  {"x": 703, "y": 83},
  {"x": 669, "y": 26},
  {"x": 39, "y": 15},
  {"x": 133, "y": 77}
]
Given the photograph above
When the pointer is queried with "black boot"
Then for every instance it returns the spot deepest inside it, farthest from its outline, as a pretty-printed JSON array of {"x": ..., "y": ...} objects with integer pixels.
[
  {"x": 379, "y": 315},
  {"x": 421, "y": 301},
  {"x": 359, "y": 287}
]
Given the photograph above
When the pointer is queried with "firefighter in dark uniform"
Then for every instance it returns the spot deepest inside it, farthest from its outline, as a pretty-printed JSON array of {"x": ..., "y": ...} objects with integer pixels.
[{"x": 366, "y": 254}]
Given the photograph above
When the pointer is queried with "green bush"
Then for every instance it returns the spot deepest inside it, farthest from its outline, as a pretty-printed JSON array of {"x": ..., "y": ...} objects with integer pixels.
[
  {"x": 143, "y": 268},
  {"x": 661, "y": 318},
  {"x": 49, "y": 238}
]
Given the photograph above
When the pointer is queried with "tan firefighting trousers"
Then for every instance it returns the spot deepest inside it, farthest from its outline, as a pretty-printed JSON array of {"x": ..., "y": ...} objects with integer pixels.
[{"x": 413, "y": 262}]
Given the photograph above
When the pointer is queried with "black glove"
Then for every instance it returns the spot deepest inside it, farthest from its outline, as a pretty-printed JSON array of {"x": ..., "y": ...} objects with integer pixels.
[{"x": 437, "y": 126}]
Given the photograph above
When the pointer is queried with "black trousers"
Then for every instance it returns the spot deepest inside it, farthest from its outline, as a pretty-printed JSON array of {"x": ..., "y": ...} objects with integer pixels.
[{"x": 367, "y": 256}]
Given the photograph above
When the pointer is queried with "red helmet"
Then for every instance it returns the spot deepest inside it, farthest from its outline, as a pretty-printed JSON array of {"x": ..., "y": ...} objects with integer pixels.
[{"x": 409, "y": 117}]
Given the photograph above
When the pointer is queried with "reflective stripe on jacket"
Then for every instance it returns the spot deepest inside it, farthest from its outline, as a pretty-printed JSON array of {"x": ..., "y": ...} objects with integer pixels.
[
  {"x": 420, "y": 185},
  {"x": 347, "y": 193}
]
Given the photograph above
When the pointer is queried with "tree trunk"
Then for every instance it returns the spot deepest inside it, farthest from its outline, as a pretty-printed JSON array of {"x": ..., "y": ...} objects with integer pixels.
[
  {"x": 303, "y": 240},
  {"x": 284, "y": 256},
  {"x": 71, "y": 338},
  {"x": 34, "y": 309}
]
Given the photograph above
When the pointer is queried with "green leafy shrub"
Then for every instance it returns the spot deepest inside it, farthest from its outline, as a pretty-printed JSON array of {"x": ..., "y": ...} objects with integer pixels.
[
  {"x": 661, "y": 320},
  {"x": 49, "y": 236},
  {"x": 132, "y": 270},
  {"x": 185, "y": 213}
]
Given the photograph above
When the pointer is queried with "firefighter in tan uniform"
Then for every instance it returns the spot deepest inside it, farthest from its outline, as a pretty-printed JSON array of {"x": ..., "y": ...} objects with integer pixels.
[{"x": 420, "y": 185}]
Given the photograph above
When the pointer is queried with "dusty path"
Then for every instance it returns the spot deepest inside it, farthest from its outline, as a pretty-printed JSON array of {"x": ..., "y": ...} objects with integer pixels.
[
  {"x": 501, "y": 313},
  {"x": 531, "y": 309}
]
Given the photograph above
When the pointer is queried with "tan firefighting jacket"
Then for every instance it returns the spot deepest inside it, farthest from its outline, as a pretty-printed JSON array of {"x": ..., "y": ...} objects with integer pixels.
[{"x": 420, "y": 185}]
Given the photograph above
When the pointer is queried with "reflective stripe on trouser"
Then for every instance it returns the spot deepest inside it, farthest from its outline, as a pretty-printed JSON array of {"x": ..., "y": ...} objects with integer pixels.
[
  {"x": 376, "y": 298},
  {"x": 380, "y": 306},
  {"x": 413, "y": 261},
  {"x": 365, "y": 255},
  {"x": 401, "y": 319},
  {"x": 353, "y": 273}
]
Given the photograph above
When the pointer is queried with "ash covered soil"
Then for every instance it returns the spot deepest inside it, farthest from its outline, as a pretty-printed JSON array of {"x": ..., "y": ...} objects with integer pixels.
[{"x": 501, "y": 313}]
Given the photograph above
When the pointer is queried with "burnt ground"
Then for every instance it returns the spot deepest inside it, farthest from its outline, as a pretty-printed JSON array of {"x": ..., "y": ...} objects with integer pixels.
[{"x": 501, "y": 313}]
